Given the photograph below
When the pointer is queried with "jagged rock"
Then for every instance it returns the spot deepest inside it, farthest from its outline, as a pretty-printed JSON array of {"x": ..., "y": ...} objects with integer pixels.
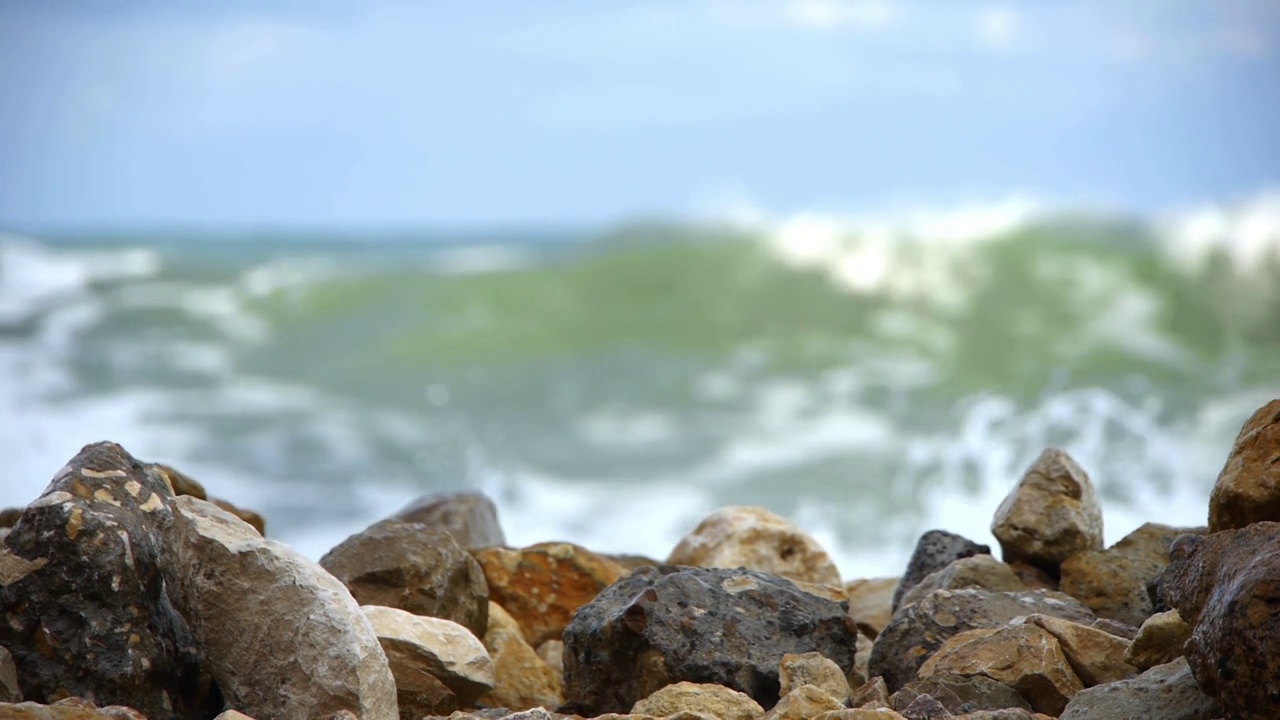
[
  {"x": 935, "y": 550},
  {"x": 1165, "y": 692},
  {"x": 925, "y": 707},
  {"x": 543, "y": 585},
  {"x": 1025, "y": 657},
  {"x": 415, "y": 568},
  {"x": 10, "y": 692},
  {"x": 522, "y": 679},
  {"x": 803, "y": 703},
  {"x": 874, "y": 691},
  {"x": 961, "y": 694},
  {"x": 1227, "y": 587},
  {"x": 183, "y": 484},
  {"x": 1050, "y": 515},
  {"x": 1034, "y": 578},
  {"x": 69, "y": 709},
  {"x": 752, "y": 537},
  {"x": 797, "y": 670},
  {"x": 282, "y": 637},
  {"x": 1095, "y": 656},
  {"x": 1248, "y": 488},
  {"x": 859, "y": 714},
  {"x": 917, "y": 631},
  {"x": 979, "y": 571},
  {"x": 634, "y": 638},
  {"x": 871, "y": 603},
  {"x": 1160, "y": 640},
  {"x": 417, "y": 645},
  {"x": 82, "y": 602},
  {"x": 715, "y": 700},
  {"x": 470, "y": 517}
]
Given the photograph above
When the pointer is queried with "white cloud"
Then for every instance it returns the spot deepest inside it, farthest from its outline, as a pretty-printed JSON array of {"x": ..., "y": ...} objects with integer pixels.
[
  {"x": 998, "y": 26},
  {"x": 835, "y": 14}
]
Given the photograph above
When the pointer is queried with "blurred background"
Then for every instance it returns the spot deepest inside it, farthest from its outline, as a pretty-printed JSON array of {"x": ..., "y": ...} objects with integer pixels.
[{"x": 620, "y": 264}]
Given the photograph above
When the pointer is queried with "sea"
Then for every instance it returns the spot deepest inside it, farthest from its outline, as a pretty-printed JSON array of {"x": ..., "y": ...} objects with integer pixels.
[{"x": 868, "y": 377}]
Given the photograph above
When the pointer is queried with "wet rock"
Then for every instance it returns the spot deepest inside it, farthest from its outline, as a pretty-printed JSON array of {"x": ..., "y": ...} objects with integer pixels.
[
  {"x": 797, "y": 670},
  {"x": 979, "y": 571},
  {"x": 871, "y": 603},
  {"x": 1113, "y": 582},
  {"x": 754, "y": 538},
  {"x": 961, "y": 694},
  {"x": 77, "y": 709},
  {"x": 1159, "y": 641},
  {"x": 1165, "y": 692},
  {"x": 543, "y": 585},
  {"x": 925, "y": 707},
  {"x": 917, "y": 631},
  {"x": 1227, "y": 587},
  {"x": 803, "y": 703},
  {"x": 1095, "y": 656},
  {"x": 522, "y": 679},
  {"x": 935, "y": 550},
  {"x": 414, "y": 568},
  {"x": 470, "y": 517},
  {"x": 634, "y": 638},
  {"x": 9, "y": 690},
  {"x": 417, "y": 645},
  {"x": 1025, "y": 657},
  {"x": 1248, "y": 487},
  {"x": 82, "y": 602},
  {"x": 715, "y": 700},
  {"x": 313, "y": 652},
  {"x": 1050, "y": 515},
  {"x": 874, "y": 691}
]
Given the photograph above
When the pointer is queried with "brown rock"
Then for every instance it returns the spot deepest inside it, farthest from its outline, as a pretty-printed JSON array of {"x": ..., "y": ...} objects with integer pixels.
[
  {"x": 470, "y": 517},
  {"x": 543, "y": 585},
  {"x": 522, "y": 679},
  {"x": 803, "y": 703},
  {"x": 859, "y": 673},
  {"x": 979, "y": 571},
  {"x": 79, "y": 709},
  {"x": 1034, "y": 578},
  {"x": 9, "y": 517},
  {"x": 256, "y": 521},
  {"x": 1050, "y": 515},
  {"x": 1159, "y": 641},
  {"x": 871, "y": 603},
  {"x": 1165, "y": 692},
  {"x": 925, "y": 707},
  {"x": 961, "y": 693},
  {"x": 632, "y": 562},
  {"x": 1115, "y": 627},
  {"x": 935, "y": 550},
  {"x": 715, "y": 700},
  {"x": 442, "y": 650},
  {"x": 1095, "y": 656},
  {"x": 552, "y": 653},
  {"x": 180, "y": 483},
  {"x": 873, "y": 691},
  {"x": 1248, "y": 488},
  {"x": 9, "y": 690},
  {"x": 797, "y": 670},
  {"x": 754, "y": 538},
  {"x": 859, "y": 714}
]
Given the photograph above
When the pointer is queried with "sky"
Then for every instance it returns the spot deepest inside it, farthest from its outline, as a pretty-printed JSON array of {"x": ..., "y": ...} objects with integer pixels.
[{"x": 444, "y": 112}]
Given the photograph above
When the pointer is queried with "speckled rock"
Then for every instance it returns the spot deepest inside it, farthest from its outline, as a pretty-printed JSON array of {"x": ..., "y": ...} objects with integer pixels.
[
  {"x": 1165, "y": 692},
  {"x": 803, "y": 703},
  {"x": 1248, "y": 487},
  {"x": 417, "y": 645},
  {"x": 798, "y": 669},
  {"x": 1096, "y": 657},
  {"x": 470, "y": 517},
  {"x": 522, "y": 679},
  {"x": 979, "y": 571},
  {"x": 715, "y": 700},
  {"x": 926, "y": 707},
  {"x": 754, "y": 538},
  {"x": 871, "y": 603},
  {"x": 1025, "y": 657},
  {"x": 1051, "y": 514},
  {"x": 961, "y": 694},
  {"x": 1160, "y": 640},
  {"x": 935, "y": 550}
]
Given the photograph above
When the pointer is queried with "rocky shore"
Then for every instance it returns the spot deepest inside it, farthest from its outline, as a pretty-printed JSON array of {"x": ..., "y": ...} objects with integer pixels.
[{"x": 127, "y": 592}]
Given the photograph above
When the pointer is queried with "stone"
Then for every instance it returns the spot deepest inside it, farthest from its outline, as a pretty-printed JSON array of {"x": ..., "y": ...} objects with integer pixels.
[
  {"x": 1025, "y": 657},
  {"x": 282, "y": 637},
  {"x": 799, "y": 669},
  {"x": 522, "y": 679},
  {"x": 256, "y": 521},
  {"x": 872, "y": 691},
  {"x": 1114, "y": 627},
  {"x": 935, "y": 550},
  {"x": 183, "y": 484},
  {"x": 417, "y": 645},
  {"x": 470, "y": 517},
  {"x": 82, "y": 603},
  {"x": 10, "y": 692},
  {"x": 1227, "y": 587},
  {"x": 1034, "y": 578},
  {"x": 1050, "y": 515},
  {"x": 715, "y": 700},
  {"x": 1096, "y": 657},
  {"x": 543, "y": 585},
  {"x": 1160, "y": 640},
  {"x": 414, "y": 568},
  {"x": 631, "y": 562},
  {"x": 917, "y": 631},
  {"x": 1248, "y": 487},
  {"x": 1165, "y": 692},
  {"x": 552, "y": 653},
  {"x": 979, "y": 571},
  {"x": 871, "y": 603},
  {"x": 925, "y": 707},
  {"x": 859, "y": 714},
  {"x": 754, "y": 538},
  {"x": 803, "y": 703},
  {"x": 9, "y": 517},
  {"x": 636, "y": 636},
  {"x": 862, "y": 656},
  {"x": 82, "y": 710},
  {"x": 961, "y": 694},
  {"x": 233, "y": 715},
  {"x": 1113, "y": 582},
  {"x": 1005, "y": 714}
]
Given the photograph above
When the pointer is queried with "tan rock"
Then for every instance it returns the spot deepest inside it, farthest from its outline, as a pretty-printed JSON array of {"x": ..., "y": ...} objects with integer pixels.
[
  {"x": 872, "y": 691},
  {"x": 1051, "y": 514},
  {"x": 871, "y": 603},
  {"x": 1248, "y": 487},
  {"x": 803, "y": 703},
  {"x": 522, "y": 679},
  {"x": 715, "y": 700},
  {"x": 797, "y": 670},
  {"x": 860, "y": 714},
  {"x": 232, "y": 715},
  {"x": 255, "y": 520},
  {"x": 69, "y": 709},
  {"x": 1160, "y": 640},
  {"x": 1096, "y": 657},
  {"x": 754, "y": 538},
  {"x": 552, "y": 653},
  {"x": 1025, "y": 657},
  {"x": 861, "y": 660},
  {"x": 417, "y": 645},
  {"x": 1033, "y": 577},
  {"x": 978, "y": 571}
]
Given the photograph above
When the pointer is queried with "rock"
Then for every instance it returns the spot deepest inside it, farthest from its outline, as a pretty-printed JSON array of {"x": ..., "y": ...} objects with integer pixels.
[
  {"x": 10, "y": 691},
  {"x": 1005, "y": 714},
  {"x": 1227, "y": 588},
  {"x": 182, "y": 484},
  {"x": 255, "y": 520},
  {"x": 413, "y": 568},
  {"x": 543, "y": 585},
  {"x": 282, "y": 637},
  {"x": 925, "y": 707},
  {"x": 1165, "y": 692},
  {"x": 233, "y": 715},
  {"x": 754, "y": 538},
  {"x": 859, "y": 714},
  {"x": 63, "y": 710},
  {"x": 715, "y": 700},
  {"x": 1050, "y": 515},
  {"x": 470, "y": 517},
  {"x": 552, "y": 653},
  {"x": 1114, "y": 627},
  {"x": 871, "y": 603},
  {"x": 797, "y": 670},
  {"x": 631, "y": 562},
  {"x": 82, "y": 600},
  {"x": 935, "y": 550},
  {"x": 1025, "y": 657},
  {"x": 1034, "y": 578},
  {"x": 635, "y": 637},
  {"x": 522, "y": 679},
  {"x": 917, "y": 631},
  {"x": 979, "y": 571},
  {"x": 1159, "y": 641},
  {"x": 803, "y": 703},
  {"x": 961, "y": 694},
  {"x": 1113, "y": 582},
  {"x": 873, "y": 691},
  {"x": 861, "y": 658},
  {"x": 1248, "y": 488},
  {"x": 417, "y": 645},
  {"x": 1095, "y": 656}
]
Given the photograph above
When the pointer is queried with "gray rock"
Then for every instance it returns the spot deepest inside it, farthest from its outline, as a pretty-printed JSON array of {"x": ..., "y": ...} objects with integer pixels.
[
  {"x": 1165, "y": 692},
  {"x": 979, "y": 571},
  {"x": 925, "y": 707},
  {"x": 961, "y": 694},
  {"x": 9, "y": 690},
  {"x": 935, "y": 550},
  {"x": 470, "y": 517}
]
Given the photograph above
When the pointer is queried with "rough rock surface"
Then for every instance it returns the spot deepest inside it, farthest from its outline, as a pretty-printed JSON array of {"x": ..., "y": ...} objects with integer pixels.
[
  {"x": 1025, "y": 657},
  {"x": 470, "y": 517},
  {"x": 917, "y": 631},
  {"x": 871, "y": 603},
  {"x": 961, "y": 694},
  {"x": 979, "y": 571},
  {"x": 522, "y": 678},
  {"x": 1097, "y": 657},
  {"x": 69, "y": 709},
  {"x": 9, "y": 689},
  {"x": 543, "y": 585},
  {"x": 754, "y": 538},
  {"x": 1051, "y": 514},
  {"x": 1165, "y": 692},
  {"x": 416, "y": 645},
  {"x": 1248, "y": 488},
  {"x": 1227, "y": 587},
  {"x": 935, "y": 550},
  {"x": 1160, "y": 640},
  {"x": 82, "y": 605},
  {"x": 635, "y": 637},
  {"x": 925, "y": 707},
  {"x": 803, "y": 703},
  {"x": 797, "y": 670},
  {"x": 414, "y": 568},
  {"x": 552, "y": 653},
  {"x": 183, "y": 484},
  {"x": 715, "y": 700},
  {"x": 312, "y": 651},
  {"x": 1113, "y": 582}
]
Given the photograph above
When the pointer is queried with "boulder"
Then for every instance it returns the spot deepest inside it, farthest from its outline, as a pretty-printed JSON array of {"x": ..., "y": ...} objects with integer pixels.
[
  {"x": 1248, "y": 487},
  {"x": 183, "y": 484},
  {"x": 871, "y": 603},
  {"x": 935, "y": 550},
  {"x": 1050, "y": 515},
  {"x": 803, "y": 703},
  {"x": 1025, "y": 657},
  {"x": 470, "y": 517},
  {"x": 1165, "y": 692},
  {"x": 872, "y": 692},
  {"x": 82, "y": 602},
  {"x": 1096, "y": 657},
  {"x": 961, "y": 694},
  {"x": 1160, "y": 640},
  {"x": 979, "y": 571},
  {"x": 797, "y": 670},
  {"x": 715, "y": 700},
  {"x": 754, "y": 538},
  {"x": 414, "y": 568},
  {"x": 256, "y": 521},
  {"x": 662, "y": 625},
  {"x": 859, "y": 714},
  {"x": 522, "y": 678},
  {"x": 417, "y": 645},
  {"x": 68, "y": 709},
  {"x": 282, "y": 637}
]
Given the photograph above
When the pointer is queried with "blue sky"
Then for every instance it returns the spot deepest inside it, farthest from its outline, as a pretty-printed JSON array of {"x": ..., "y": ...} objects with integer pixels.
[{"x": 123, "y": 112}]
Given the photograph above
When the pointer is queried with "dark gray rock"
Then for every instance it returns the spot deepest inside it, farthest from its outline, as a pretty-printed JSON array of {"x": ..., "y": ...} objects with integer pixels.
[
  {"x": 925, "y": 707},
  {"x": 1165, "y": 692},
  {"x": 961, "y": 694},
  {"x": 470, "y": 517},
  {"x": 935, "y": 550},
  {"x": 666, "y": 624},
  {"x": 82, "y": 600}
]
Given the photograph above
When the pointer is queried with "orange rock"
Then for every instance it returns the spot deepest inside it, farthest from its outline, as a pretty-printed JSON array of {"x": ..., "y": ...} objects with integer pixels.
[{"x": 1248, "y": 488}]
